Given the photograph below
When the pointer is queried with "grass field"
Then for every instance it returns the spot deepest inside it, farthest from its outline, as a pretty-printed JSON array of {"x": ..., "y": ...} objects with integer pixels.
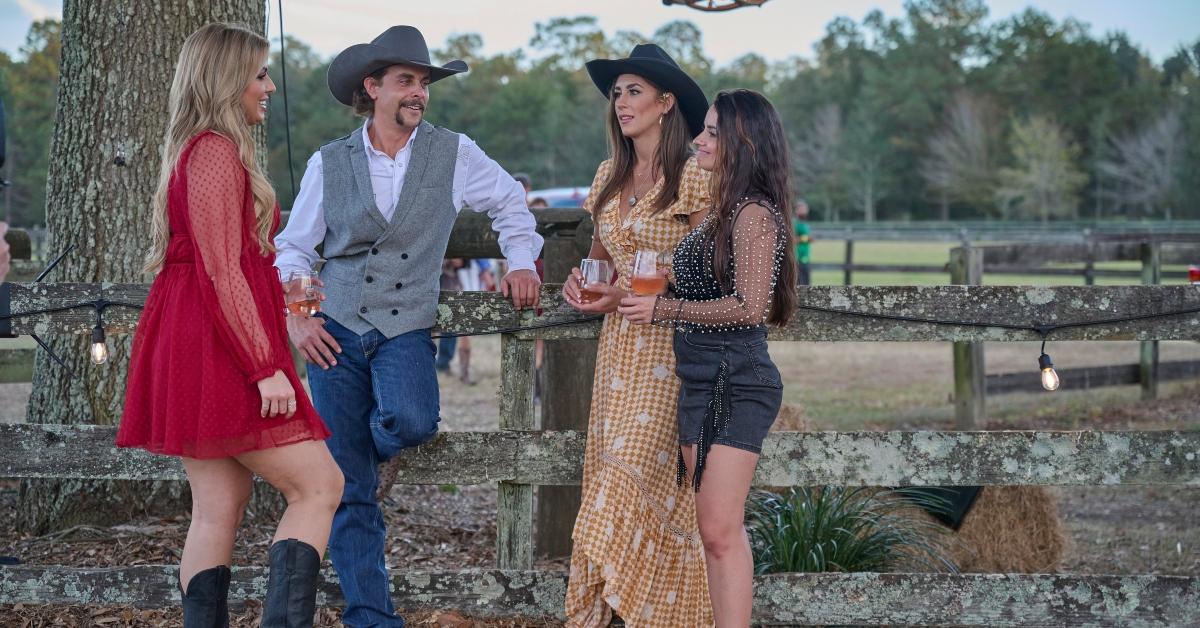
[{"x": 937, "y": 253}]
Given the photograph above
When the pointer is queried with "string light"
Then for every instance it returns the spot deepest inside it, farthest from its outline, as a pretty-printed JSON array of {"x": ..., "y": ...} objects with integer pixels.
[
  {"x": 1050, "y": 379},
  {"x": 99, "y": 350}
]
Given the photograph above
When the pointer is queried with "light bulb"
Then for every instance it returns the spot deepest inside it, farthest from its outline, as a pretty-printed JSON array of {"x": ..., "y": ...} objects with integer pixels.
[
  {"x": 99, "y": 350},
  {"x": 1050, "y": 379}
]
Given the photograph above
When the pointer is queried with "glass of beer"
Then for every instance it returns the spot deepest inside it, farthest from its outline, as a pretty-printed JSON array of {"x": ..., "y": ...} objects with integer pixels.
[
  {"x": 646, "y": 279},
  {"x": 594, "y": 271},
  {"x": 301, "y": 293}
]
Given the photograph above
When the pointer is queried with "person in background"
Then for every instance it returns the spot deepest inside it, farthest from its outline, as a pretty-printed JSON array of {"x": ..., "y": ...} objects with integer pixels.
[
  {"x": 803, "y": 233},
  {"x": 5, "y": 256},
  {"x": 449, "y": 280}
]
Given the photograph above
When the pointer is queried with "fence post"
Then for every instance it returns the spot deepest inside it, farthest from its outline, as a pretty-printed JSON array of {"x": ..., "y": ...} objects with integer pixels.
[
  {"x": 847, "y": 273},
  {"x": 568, "y": 367},
  {"x": 1148, "y": 362},
  {"x": 1089, "y": 260},
  {"x": 514, "y": 502},
  {"x": 970, "y": 391}
]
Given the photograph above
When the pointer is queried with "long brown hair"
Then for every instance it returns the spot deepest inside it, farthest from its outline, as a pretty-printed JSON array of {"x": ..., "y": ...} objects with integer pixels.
[
  {"x": 215, "y": 64},
  {"x": 672, "y": 155},
  {"x": 752, "y": 161}
]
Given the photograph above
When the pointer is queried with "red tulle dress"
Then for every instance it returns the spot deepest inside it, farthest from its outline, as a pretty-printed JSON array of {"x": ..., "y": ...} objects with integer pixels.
[{"x": 213, "y": 325}]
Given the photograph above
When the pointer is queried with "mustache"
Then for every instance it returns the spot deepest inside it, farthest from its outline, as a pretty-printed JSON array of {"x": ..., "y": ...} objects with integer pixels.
[{"x": 413, "y": 103}]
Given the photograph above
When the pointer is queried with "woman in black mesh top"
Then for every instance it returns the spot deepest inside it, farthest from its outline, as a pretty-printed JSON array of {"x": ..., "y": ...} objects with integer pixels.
[{"x": 735, "y": 273}]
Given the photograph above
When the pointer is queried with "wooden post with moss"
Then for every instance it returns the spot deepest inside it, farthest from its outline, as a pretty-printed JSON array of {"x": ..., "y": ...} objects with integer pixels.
[
  {"x": 1148, "y": 361},
  {"x": 567, "y": 370},
  {"x": 966, "y": 268},
  {"x": 514, "y": 502}
]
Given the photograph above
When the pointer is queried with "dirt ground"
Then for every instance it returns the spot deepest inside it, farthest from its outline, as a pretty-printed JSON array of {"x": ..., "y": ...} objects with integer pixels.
[{"x": 843, "y": 386}]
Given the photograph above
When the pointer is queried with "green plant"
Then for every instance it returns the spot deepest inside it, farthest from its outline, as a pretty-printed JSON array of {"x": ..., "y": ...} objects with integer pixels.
[{"x": 846, "y": 529}]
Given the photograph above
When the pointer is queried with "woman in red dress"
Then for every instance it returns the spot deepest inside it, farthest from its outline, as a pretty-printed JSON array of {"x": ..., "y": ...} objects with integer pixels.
[{"x": 211, "y": 378}]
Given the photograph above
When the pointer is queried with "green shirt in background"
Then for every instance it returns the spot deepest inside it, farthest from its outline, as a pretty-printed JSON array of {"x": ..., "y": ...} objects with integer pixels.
[{"x": 803, "y": 241}]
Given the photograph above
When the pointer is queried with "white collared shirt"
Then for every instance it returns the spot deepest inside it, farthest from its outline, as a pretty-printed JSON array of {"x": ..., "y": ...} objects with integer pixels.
[{"x": 479, "y": 182}]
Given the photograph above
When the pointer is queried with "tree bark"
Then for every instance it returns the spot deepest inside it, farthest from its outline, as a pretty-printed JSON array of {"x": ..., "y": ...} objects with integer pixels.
[{"x": 118, "y": 57}]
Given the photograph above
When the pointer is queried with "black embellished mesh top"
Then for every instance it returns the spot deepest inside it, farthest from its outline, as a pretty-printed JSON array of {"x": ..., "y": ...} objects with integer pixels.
[{"x": 760, "y": 241}]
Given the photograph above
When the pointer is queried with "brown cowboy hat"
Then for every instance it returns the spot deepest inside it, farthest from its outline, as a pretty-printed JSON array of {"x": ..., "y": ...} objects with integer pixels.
[
  {"x": 655, "y": 65},
  {"x": 398, "y": 44}
]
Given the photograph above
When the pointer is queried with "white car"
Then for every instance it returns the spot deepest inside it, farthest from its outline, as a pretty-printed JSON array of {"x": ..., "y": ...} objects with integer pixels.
[{"x": 560, "y": 197}]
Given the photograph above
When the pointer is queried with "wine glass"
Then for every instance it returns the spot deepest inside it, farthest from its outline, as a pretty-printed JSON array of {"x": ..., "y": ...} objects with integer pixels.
[
  {"x": 594, "y": 271},
  {"x": 302, "y": 293},
  {"x": 646, "y": 279}
]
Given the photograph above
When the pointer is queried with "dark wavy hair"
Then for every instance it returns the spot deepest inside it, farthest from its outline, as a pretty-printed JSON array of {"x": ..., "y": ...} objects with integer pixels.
[
  {"x": 752, "y": 161},
  {"x": 673, "y": 153}
]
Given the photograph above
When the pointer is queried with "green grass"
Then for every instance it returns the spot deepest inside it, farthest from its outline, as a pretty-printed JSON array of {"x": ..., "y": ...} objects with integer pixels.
[{"x": 938, "y": 253}]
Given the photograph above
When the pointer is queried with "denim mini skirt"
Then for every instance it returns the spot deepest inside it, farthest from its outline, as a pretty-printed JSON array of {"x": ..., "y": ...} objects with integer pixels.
[{"x": 730, "y": 391}]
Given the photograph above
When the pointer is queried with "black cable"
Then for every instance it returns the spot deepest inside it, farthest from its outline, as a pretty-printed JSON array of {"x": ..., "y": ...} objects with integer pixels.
[
  {"x": 287, "y": 119},
  {"x": 1042, "y": 330},
  {"x": 915, "y": 319}
]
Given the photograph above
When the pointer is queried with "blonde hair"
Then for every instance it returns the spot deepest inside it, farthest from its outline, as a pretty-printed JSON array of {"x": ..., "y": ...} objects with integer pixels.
[{"x": 215, "y": 65}]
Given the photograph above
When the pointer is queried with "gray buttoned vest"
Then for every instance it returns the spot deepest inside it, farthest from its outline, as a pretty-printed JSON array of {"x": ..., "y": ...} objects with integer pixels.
[{"x": 378, "y": 274}]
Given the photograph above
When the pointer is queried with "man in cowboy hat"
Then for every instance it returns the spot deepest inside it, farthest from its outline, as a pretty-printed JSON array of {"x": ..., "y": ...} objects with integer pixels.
[{"x": 382, "y": 201}]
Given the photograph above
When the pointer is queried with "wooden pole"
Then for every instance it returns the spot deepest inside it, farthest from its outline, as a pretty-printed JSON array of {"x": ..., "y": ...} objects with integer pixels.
[
  {"x": 970, "y": 389},
  {"x": 1148, "y": 362},
  {"x": 567, "y": 370}
]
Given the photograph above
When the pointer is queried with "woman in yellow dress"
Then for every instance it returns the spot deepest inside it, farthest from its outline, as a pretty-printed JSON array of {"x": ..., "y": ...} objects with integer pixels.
[{"x": 637, "y": 549}]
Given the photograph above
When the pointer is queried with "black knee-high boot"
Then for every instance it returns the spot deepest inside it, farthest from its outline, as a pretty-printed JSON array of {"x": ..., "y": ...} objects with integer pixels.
[
  {"x": 292, "y": 585},
  {"x": 205, "y": 605}
]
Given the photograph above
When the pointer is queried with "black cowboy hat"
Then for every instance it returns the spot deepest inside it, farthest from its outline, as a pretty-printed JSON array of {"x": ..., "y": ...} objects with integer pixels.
[
  {"x": 398, "y": 44},
  {"x": 654, "y": 64}
]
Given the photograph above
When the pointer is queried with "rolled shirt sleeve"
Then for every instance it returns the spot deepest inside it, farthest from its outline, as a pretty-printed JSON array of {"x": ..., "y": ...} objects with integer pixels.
[
  {"x": 296, "y": 246},
  {"x": 481, "y": 184}
]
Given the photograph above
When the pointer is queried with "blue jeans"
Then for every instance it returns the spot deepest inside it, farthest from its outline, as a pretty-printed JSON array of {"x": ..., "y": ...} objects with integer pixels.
[
  {"x": 380, "y": 398},
  {"x": 445, "y": 351}
]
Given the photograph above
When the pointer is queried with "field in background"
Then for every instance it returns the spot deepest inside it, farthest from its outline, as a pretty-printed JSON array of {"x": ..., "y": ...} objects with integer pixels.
[{"x": 938, "y": 253}]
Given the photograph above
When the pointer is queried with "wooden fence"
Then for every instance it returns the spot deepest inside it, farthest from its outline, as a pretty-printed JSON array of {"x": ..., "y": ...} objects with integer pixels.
[
  {"x": 518, "y": 457},
  {"x": 1054, "y": 252},
  {"x": 968, "y": 265}
]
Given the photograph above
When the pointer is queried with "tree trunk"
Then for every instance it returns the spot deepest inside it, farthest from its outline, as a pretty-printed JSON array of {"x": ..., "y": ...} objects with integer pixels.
[{"x": 118, "y": 58}]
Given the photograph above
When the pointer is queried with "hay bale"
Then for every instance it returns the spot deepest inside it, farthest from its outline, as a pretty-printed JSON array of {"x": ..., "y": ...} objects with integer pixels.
[{"x": 1012, "y": 529}]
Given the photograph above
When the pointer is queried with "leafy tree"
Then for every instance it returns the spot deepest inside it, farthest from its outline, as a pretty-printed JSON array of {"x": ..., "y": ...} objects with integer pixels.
[
  {"x": 29, "y": 89},
  {"x": 1045, "y": 179}
]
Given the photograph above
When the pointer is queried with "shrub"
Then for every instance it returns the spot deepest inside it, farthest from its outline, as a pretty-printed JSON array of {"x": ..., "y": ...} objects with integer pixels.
[{"x": 846, "y": 529}]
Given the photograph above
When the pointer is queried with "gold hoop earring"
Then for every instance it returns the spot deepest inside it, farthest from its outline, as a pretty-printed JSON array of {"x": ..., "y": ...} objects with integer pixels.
[{"x": 660, "y": 117}]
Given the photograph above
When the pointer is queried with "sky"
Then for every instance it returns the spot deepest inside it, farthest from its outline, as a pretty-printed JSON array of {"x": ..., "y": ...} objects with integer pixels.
[{"x": 778, "y": 30}]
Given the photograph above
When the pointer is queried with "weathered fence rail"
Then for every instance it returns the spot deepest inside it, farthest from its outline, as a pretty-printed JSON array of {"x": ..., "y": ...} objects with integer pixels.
[
  {"x": 784, "y": 599},
  {"x": 518, "y": 457},
  {"x": 789, "y": 458}
]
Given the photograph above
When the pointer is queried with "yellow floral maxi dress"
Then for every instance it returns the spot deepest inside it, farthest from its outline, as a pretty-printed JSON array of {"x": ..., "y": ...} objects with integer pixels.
[{"x": 637, "y": 548}]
